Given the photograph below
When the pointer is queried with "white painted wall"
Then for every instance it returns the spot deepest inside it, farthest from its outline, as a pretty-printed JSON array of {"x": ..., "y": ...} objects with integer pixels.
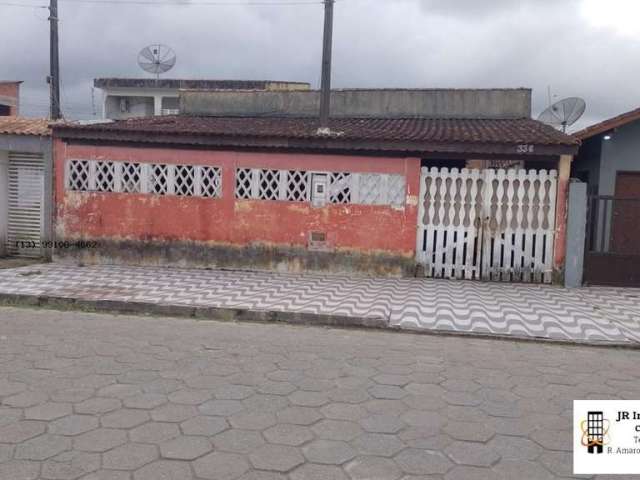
[{"x": 4, "y": 199}]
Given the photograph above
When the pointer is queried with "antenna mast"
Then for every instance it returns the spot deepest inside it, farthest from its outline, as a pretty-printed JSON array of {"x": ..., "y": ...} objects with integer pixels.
[{"x": 325, "y": 86}]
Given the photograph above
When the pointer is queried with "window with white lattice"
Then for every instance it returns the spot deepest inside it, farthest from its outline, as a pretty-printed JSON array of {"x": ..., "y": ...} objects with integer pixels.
[
  {"x": 210, "y": 182},
  {"x": 105, "y": 176},
  {"x": 269, "y": 185},
  {"x": 298, "y": 186},
  {"x": 244, "y": 183},
  {"x": 131, "y": 178},
  {"x": 340, "y": 187},
  {"x": 159, "y": 179},
  {"x": 184, "y": 180},
  {"x": 78, "y": 179},
  {"x": 397, "y": 188},
  {"x": 371, "y": 189}
]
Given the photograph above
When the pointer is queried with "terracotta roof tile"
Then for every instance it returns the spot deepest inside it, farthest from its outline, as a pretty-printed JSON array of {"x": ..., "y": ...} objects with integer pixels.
[
  {"x": 24, "y": 126},
  {"x": 609, "y": 124},
  {"x": 419, "y": 130}
]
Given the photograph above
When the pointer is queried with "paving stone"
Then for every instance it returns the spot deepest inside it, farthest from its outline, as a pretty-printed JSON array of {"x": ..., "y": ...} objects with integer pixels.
[
  {"x": 6, "y": 453},
  {"x": 522, "y": 469},
  {"x": 42, "y": 447},
  {"x": 308, "y": 399},
  {"x": 95, "y": 406},
  {"x": 561, "y": 440},
  {"x": 154, "y": 432},
  {"x": 164, "y": 470},
  {"x": 73, "y": 425},
  {"x": 423, "y": 419},
  {"x": 20, "y": 431},
  {"x": 204, "y": 425},
  {"x": 220, "y": 466},
  {"x": 474, "y": 473},
  {"x": 373, "y": 468},
  {"x": 238, "y": 441},
  {"x": 265, "y": 403},
  {"x": 185, "y": 448},
  {"x": 145, "y": 400},
  {"x": 10, "y": 388},
  {"x": 19, "y": 469},
  {"x": 378, "y": 444},
  {"x": 279, "y": 458},
  {"x": 299, "y": 415},
  {"x": 129, "y": 456},
  {"x": 515, "y": 447},
  {"x": 472, "y": 453},
  {"x": 310, "y": 471},
  {"x": 125, "y": 418},
  {"x": 390, "y": 379},
  {"x": 233, "y": 392},
  {"x": 172, "y": 412},
  {"x": 476, "y": 432},
  {"x": 107, "y": 475},
  {"x": 119, "y": 390},
  {"x": 287, "y": 434},
  {"x": 388, "y": 392},
  {"x": 379, "y": 406},
  {"x": 100, "y": 440},
  {"x": 559, "y": 463},
  {"x": 336, "y": 430},
  {"x": 221, "y": 408},
  {"x": 348, "y": 395},
  {"x": 343, "y": 411},
  {"x": 262, "y": 475},
  {"x": 26, "y": 399},
  {"x": 252, "y": 420},
  {"x": 48, "y": 411},
  {"x": 423, "y": 462},
  {"x": 190, "y": 397},
  {"x": 328, "y": 452},
  {"x": 382, "y": 424}
]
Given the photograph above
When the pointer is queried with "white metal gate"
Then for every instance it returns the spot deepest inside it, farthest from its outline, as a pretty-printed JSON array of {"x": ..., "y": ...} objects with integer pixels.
[
  {"x": 25, "y": 205},
  {"x": 487, "y": 224}
]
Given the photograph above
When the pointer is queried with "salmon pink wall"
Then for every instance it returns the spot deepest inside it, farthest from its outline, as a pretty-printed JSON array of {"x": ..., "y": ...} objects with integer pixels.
[
  {"x": 11, "y": 90},
  {"x": 148, "y": 217}
]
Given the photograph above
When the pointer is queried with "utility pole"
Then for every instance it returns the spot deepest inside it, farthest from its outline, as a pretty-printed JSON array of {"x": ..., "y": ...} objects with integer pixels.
[
  {"x": 325, "y": 86},
  {"x": 54, "y": 61}
]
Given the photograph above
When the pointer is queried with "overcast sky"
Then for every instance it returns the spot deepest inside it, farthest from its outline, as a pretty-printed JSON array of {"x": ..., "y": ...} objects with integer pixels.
[{"x": 587, "y": 48}]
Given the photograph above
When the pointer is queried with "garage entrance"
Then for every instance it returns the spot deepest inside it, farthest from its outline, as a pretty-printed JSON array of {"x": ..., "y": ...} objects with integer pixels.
[
  {"x": 613, "y": 235},
  {"x": 25, "y": 204},
  {"x": 492, "y": 225}
]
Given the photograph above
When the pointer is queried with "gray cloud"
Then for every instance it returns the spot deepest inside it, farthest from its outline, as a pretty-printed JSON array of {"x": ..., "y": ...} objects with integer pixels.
[{"x": 378, "y": 43}]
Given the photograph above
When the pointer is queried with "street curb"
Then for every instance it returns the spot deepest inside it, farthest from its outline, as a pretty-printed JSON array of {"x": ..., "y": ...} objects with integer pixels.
[
  {"x": 273, "y": 316},
  {"x": 198, "y": 313}
]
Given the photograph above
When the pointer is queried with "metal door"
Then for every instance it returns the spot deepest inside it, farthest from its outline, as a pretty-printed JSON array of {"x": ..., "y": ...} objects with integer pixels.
[
  {"x": 487, "y": 224},
  {"x": 25, "y": 205}
]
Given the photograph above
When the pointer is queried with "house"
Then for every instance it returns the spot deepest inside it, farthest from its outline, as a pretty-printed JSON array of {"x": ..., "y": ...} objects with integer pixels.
[
  {"x": 9, "y": 98},
  {"x": 143, "y": 97},
  {"x": 609, "y": 162},
  {"x": 25, "y": 187},
  {"x": 385, "y": 191}
]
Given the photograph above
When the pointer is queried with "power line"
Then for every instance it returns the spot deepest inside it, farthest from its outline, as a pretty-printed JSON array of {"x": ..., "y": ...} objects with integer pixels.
[
  {"x": 21, "y": 5},
  {"x": 173, "y": 3}
]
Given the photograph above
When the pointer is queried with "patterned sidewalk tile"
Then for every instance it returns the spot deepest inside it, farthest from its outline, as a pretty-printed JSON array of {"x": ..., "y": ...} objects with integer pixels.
[{"x": 539, "y": 311}]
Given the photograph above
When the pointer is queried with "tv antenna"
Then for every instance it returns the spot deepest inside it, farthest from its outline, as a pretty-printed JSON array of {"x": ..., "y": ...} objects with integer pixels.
[
  {"x": 564, "y": 113},
  {"x": 157, "y": 59}
]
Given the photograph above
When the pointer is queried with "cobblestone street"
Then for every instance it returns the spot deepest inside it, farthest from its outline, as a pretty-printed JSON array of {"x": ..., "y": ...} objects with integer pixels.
[{"x": 103, "y": 397}]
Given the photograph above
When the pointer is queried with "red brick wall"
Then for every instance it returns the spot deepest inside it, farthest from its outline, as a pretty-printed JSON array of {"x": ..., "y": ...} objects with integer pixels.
[
  {"x": 227, "y": 221},
  {"x": 11, "y": 90}
]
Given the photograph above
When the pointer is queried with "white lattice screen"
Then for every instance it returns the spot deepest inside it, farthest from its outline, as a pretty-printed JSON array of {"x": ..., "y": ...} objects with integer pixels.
[
  {"x": 343, "y": 188},
  {"x": 130, "y": 177}
]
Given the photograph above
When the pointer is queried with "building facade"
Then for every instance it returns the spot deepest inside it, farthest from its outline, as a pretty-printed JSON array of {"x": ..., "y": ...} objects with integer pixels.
[
  {"x": 143, "y": 97},
  {"x": 9, "y": 98},
  {"x": 275, "y": 193}
]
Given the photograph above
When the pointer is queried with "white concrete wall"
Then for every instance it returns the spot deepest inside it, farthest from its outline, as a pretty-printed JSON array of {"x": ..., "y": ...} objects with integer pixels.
[{"x": 4, "y": 199}]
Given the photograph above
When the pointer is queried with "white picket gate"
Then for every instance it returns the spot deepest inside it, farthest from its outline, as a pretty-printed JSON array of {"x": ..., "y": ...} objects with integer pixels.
[{"x": 487, "y": 224}]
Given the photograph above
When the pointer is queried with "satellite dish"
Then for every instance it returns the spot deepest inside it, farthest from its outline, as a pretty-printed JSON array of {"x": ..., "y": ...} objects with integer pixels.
[
  {"x": 157, "y": 59},
  {"x": 564, "y": 113}
]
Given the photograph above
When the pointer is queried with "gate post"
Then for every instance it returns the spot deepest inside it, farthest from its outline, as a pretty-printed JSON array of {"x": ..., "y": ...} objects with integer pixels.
[
  {"x": 564, "y": 172},
  {"x": 576, "y": 228}
]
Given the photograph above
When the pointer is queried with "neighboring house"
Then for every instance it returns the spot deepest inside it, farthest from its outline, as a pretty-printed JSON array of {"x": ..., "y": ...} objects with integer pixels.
[
  {"x": 144, "y": 97},
  {"x": 383, "y": 193},
  {"x": 609, "y": 162},
  {"x": 9, "y": 98},
  {"x": 25, "y": 186}
]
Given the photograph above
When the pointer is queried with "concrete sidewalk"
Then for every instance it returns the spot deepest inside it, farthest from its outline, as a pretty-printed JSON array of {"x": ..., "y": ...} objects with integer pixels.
[{"x": 590, "y": 315}]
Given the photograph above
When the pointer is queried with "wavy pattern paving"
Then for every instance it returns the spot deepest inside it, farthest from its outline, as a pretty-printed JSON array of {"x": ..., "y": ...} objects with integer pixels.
[{"x": 593, "y": 314}]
